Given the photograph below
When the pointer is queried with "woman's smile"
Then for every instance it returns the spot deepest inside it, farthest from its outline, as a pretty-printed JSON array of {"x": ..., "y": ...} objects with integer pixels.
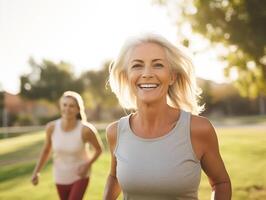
[{"x": 148, "y": 86}]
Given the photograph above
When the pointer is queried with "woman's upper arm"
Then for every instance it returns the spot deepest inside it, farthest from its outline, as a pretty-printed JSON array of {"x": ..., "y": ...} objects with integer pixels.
[
  {"x": 111, "y": 135},
  {"x": 90, "y": 134},
  {"x": 211, "y": 160},
  {"x": 49, "y": 131}
]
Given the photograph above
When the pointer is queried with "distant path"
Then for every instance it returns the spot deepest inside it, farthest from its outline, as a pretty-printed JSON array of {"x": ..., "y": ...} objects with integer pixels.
[
  {"x": 20, "y": 129},
  {"x": 30, "y": 129},
  {"x": 261, "y": 126},
  {"x": 102, "y": 126}
]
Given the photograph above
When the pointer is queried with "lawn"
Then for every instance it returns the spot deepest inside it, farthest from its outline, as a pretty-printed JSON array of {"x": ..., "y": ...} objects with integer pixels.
[{"x": 243, "y": 150}]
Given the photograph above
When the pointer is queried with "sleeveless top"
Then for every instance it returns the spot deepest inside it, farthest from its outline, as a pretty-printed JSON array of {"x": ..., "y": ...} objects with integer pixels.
[
  {"x": 69, "y": 153},
  {"x": 162, "y": 168}
]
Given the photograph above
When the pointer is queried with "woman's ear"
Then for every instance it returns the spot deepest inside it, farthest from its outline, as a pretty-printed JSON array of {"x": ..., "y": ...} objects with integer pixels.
[{"x": 173, "y": 77}]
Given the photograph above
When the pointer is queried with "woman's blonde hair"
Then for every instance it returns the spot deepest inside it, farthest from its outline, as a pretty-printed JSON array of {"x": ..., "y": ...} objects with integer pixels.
[
  {"x": 182, "y": 94},
  {"x": 79, "y": 101}
]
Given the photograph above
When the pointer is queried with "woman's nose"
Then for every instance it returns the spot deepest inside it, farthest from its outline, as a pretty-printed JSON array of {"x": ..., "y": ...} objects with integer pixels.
[{"x": 147, "y": 72}]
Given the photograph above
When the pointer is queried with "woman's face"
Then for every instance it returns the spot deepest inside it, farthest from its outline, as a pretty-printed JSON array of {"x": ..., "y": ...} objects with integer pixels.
[
  {"x": 149, "y": 73},
  {"x": 69, "y": 108}
]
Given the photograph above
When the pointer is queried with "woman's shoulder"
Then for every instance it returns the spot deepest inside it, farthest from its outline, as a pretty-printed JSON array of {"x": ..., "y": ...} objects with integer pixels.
[
  {"x": 203, "y": 135},
  {"x": 50, "y": 126},
  {"x": 111, "y": 132},
  {"x": 88, "y": 131},
  {"x": 201, "y": 126},
  {"x": 88, "y": 127},
  {"x": 111, "y": 129}
]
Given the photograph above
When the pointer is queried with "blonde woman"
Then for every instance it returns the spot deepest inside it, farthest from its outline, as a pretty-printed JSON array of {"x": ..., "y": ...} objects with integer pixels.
[
  {"x": 158, "y": 151},
  {"x": 67, "y": 138}
]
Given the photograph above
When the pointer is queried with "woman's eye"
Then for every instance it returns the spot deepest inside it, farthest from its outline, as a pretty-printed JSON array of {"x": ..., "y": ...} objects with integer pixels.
[
  {"x": 136, "y": 66},
  {"x": 159, "y": 65}
]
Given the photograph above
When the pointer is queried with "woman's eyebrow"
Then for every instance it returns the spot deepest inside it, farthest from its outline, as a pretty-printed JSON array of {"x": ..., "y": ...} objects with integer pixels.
[
  {"x": 137, "y": 60},
  {"x": 141, "y": 61},
  {"x": 157, "y": 59}
]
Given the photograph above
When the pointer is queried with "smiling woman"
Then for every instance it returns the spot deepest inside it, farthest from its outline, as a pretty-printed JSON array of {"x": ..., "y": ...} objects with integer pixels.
[
  {"x": 158, "y": 151},
  {"x": 67, "y": 138}
]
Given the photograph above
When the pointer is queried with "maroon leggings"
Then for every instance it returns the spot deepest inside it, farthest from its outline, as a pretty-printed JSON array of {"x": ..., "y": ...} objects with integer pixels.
[{"x": 74, "y": 191}]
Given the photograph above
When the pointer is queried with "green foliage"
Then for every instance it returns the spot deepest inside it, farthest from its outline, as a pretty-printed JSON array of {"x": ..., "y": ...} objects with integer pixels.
[
  {"x": 2, "y": 94},
  {"x": 1, "y": 106},
  {"x": 24, "y": 120},
  {"x": 238, "y": 22},
  {"x": 206, "y": 96},
  {"x": 49, "y": 80},
  {"x": 224, "y": 99},
  {"x": 98, "y": 94},
  {"x": 96, "y": 83},
  {"x": 241, "y": 26}
]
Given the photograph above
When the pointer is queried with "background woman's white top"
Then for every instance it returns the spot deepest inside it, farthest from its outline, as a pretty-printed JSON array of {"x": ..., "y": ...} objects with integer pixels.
[{"x": 68, "y": 153}]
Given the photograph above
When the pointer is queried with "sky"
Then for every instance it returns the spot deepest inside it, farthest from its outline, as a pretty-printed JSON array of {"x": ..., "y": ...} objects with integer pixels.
[{"x": 84, "y": 33}]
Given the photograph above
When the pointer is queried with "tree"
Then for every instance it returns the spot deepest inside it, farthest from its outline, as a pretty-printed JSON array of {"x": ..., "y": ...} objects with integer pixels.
[
  {"x": 49, "y": 80},
  {"x": 96, "y": 87},
  {"x": 206, "y": 96},
  {"x": 2, "y": 106},
  {"x": 241, "y": 26}
]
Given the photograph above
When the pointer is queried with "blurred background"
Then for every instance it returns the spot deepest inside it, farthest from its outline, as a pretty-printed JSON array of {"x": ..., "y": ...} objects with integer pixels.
[{"x": 50, "y": 46}]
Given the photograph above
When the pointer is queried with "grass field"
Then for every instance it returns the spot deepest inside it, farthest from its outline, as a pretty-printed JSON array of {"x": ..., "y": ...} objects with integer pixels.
[{"x": 243, "y": 150}]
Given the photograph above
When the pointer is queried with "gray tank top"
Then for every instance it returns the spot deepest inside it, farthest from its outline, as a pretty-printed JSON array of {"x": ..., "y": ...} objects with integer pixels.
[{"x": 163, "y": 168}]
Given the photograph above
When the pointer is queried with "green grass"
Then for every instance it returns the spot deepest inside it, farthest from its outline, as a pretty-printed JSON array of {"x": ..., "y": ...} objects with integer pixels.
[{"x": 243, "y": 151}]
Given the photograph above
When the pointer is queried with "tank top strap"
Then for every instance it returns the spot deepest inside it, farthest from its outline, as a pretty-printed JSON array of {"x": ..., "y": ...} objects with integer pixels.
[
  {"x": 121, "y": 128},
  {"x": 79, "y": 126},
  {"x": 57, "y": 126},
  {"x": 183, "y": 122},
  {"x": 186, "y": 133},
  {"x": 185, "y": 126}
]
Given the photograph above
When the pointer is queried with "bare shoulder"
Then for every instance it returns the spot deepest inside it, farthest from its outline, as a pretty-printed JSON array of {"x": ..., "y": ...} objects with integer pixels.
[
  {"x": 111, "y": 134},
  {"x": 88, "y": 128},
  {"x": 201, "y": 126},
  {"x": 203, "y": 135},
  {"x": 89, "y": 132},
  {"x": 111, "y": 130},
  {"x": 50, "y": 127}
]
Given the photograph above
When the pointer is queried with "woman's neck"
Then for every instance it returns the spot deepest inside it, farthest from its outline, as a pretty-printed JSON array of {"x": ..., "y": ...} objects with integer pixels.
[
  {"x": 154, "y": 121},
  {"x": 68, "y": 124},
  {"x": 153, "y": 111}
]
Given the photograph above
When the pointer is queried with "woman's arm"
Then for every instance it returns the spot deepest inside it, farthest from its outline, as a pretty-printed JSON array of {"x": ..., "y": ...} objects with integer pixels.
[
  {"x": 112, "y": 188},
  {"x": 90, "y": 135},
  {"x": 211, "y": 161},
  {"x": 44, "y": 154}
]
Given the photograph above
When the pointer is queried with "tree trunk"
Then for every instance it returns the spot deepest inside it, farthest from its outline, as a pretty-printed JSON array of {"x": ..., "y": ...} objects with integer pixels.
[{"x": 262, "y": 107}]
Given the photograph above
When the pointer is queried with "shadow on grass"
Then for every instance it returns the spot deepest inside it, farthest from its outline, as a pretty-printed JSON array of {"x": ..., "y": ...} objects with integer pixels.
[
  {"x": 20, "y": 161},
  {"x": 17, "y": 170},
  {"x": 253, "y": 191},
  {"x": 21, "y": 154}
]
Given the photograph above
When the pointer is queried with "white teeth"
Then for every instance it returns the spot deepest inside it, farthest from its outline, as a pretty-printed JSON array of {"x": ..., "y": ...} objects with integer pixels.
[{"x": 148, "y": 85}]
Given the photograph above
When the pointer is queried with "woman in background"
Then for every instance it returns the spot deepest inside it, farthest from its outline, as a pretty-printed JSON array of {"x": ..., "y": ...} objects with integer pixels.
[
  {"x": 67, "y": 138},
  {"x": 158, "y": 151}
]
